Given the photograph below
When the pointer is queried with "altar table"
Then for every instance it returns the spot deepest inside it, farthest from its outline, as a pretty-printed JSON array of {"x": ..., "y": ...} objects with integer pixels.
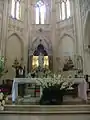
[{"x": 82, "y": 87}]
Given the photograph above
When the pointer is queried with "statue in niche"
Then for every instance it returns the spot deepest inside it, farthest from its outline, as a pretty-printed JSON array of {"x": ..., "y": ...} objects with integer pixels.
[
  {"x": 68, "y": 64},
  {"x": 41, "y": 60}
]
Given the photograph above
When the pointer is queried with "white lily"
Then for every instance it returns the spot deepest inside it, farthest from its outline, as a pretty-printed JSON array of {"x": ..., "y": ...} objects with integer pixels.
[
  {"x": 2, "y": 108},
  {"x": 3, "y": 102},
  {"x": 0, "y": 103},
  {"x": 1, "y": 97}
]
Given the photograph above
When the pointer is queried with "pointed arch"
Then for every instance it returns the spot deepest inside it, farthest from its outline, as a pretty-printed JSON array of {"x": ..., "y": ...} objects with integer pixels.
[
  {"x": 44, "y": 41},
  {"x": 20, "y": 40},
  {"x": 63, "y": 46},
  {"x": 66, "y": 34}
]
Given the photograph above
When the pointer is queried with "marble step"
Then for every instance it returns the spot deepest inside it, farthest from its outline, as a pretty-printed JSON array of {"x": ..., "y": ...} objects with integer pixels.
[
  {"x": 66, "y": 101},
  {"x": 47, "y": 108}
]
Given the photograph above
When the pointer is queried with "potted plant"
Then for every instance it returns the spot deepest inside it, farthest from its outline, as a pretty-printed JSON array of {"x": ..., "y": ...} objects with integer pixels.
[
  {"x": 3, "y": 100},
  {"x": 2, "y": 67}
]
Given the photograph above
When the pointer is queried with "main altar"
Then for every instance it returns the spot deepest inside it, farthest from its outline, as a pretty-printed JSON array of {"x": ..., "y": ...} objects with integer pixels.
[
  {"x": 36, "y": 81},
  {"x": 51, "y": 86}
]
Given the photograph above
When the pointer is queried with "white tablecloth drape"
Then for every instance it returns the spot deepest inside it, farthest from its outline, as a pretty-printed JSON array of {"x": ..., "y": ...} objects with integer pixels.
[
  {"x": 14, "y": 91},
  {"x": 82, "y": 90},
  {"x": 17, "y": 81}
]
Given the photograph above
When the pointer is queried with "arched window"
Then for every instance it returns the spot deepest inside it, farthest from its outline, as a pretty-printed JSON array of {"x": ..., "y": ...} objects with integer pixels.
[
  {"x": 68, "y": 8},
  {"x": 16, "y": 9},
  {"x": 40, "y": 9},
  {"x": 63, "y": 9}
]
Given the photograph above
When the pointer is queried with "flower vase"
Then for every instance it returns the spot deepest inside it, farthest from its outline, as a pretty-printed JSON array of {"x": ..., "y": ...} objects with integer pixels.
[{"x": 51, "y": 96}]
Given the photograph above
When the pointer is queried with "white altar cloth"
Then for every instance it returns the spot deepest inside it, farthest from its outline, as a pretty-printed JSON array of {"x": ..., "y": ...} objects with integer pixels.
[
  {"x": 82, "y": 90},
  {"x": 17, "y": 81},
  {"x": 82, "y": 87}
]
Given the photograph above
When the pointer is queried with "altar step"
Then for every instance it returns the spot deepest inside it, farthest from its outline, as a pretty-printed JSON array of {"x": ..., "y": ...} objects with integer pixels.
[
  {"x": 37, "y": 112},
  {"x": 66, "y": 101},
  {"x": 70, "y": 105},
  {"x": 52, "y": 109}
]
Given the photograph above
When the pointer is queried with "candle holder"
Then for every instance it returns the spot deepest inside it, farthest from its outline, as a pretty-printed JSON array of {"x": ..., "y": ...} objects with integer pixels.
[{"x": 16, "y": 63}]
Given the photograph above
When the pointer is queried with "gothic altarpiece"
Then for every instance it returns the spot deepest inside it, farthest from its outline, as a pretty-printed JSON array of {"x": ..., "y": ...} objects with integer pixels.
[{"x": 40, "y": 55}]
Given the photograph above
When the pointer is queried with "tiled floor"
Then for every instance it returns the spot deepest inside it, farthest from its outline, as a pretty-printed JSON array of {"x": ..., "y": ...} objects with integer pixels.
[{"x": 45, "y": 117}]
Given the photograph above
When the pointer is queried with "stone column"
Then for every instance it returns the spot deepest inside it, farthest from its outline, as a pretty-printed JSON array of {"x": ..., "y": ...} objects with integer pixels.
[
  {"x": 58, "y": 11},
  {"x": 72, "y": 12},
  {"x": 31, "y": 10},
  {"x": 26, "y": 33},
  {"x": 47, "y": 15},
  {"x": 30, "y": 63},
  {"x": 5, "y": 27},
  {"x": 53, "y": 30},
  {"x": 1, "y": 21},
  {"x": 78, "y": 28}
]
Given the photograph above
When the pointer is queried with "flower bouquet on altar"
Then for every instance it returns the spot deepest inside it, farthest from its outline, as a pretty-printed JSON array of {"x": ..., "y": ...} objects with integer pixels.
[
  {"x": 40, "y": 73},
  {"x": 3, "y": 100},
  {"x": 54, "y": 89}
]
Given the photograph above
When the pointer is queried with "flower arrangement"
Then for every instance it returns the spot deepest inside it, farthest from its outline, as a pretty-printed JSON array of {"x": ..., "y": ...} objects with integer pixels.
[
  {"x": 53, "y": 86},
  {"x": 54, "y": 89},
  {"x": 40, "y": 73},
  {"x": 52, "y": 79},
  {"x": 2, "y": 66},
  {"x": 56, "y": 81},
  {"x": 3, "y": 100}
]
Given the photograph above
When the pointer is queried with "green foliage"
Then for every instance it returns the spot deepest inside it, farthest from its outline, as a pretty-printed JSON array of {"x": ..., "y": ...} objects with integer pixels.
[{"x": 2, "y": 68}]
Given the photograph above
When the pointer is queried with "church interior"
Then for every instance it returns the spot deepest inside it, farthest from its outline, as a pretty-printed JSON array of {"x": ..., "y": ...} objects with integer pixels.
[{"x": 44, "y": 59}]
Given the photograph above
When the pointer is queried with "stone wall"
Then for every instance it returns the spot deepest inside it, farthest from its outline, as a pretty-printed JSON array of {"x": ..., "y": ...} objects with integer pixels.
[
  {"x": 16, "y": 40},
  {"x": 62, "y": 38},
  {"x": 85, "y": 25}
]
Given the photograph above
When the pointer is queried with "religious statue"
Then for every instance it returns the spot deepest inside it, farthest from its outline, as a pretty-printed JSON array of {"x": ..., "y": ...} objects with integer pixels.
[
  {"x": 68, "y": 64},
  {"x": 41, "y": 60}
]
